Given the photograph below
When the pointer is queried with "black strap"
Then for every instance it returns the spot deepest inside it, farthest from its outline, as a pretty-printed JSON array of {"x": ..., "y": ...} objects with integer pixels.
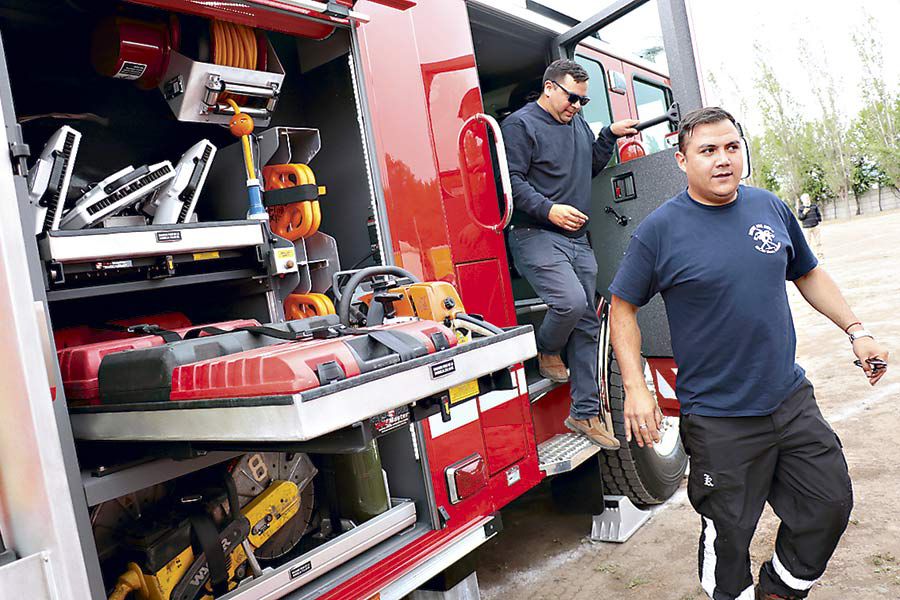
[
  {"x": 234, "y": 502},
  {"x": 258, "y": 330},
  {"x": 394, "y": 343},
  {"x": 208, "y": 537},
  {"x": 317, "y": 333},
  {"x": 143, "y": 329},
  {"x": 297, "y": 193}
]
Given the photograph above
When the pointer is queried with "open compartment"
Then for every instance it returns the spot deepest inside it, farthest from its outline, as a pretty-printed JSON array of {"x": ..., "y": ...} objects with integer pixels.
[
  {"x": 303, "y": 514},
  {"x": 160, "y": 247},
  {"x": 124, "y": 121}
]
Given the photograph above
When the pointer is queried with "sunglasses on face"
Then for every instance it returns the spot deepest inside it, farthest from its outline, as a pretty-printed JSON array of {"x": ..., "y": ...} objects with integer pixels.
[{"x": 573, "y": 98}]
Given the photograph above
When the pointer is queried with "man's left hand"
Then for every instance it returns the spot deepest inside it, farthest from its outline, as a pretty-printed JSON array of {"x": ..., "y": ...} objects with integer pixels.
[
  {"x": 866, "y": 348},
  {"x": 624, "y": 127}
]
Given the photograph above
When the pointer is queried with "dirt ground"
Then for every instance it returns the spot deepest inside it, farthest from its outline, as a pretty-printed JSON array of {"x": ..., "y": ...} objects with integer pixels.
[{"x": 543, "y": 554}]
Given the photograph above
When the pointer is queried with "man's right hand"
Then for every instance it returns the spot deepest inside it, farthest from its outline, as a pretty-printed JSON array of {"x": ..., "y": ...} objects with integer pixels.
[
  {"x": 567, "y": 217},
  {"x": 642, "y": 416}
]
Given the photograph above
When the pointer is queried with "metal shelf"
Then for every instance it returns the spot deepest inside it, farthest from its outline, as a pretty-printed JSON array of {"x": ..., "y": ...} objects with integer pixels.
[
  {"x": 154, "y": 284},
  {"x": 329, "y": 556},
  {"x": 100, "y": 487}
]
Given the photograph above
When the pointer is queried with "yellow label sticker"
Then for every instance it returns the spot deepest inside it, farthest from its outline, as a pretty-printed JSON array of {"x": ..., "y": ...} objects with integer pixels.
[
  {"x": 285, "y": 254},
  {"x": 463, "y": 391},
  {"x": 206, "y": 255}
]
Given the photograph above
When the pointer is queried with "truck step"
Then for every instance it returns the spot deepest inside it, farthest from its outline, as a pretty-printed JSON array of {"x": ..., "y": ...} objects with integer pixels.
[{"x": 564, "y": 452}]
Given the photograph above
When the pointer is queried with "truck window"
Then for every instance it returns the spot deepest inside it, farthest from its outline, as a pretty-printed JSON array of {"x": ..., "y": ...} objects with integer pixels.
[
  {"x": 652, "y": 101},
  {"x": 597, "y": 113},
  {"x": 638, "y": 33}
]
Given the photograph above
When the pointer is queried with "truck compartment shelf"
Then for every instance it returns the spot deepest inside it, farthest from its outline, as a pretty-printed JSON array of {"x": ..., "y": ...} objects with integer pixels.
[
  {"x": 306, "y": 415},
  {"x": 328, "y": 556}
]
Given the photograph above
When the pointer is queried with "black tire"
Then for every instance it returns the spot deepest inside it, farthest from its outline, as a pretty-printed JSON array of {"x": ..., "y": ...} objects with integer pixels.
[{"x": 642, "y": 474}]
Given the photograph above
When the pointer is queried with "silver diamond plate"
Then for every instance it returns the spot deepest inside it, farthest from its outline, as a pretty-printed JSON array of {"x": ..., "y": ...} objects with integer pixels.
[{"x": 564, "y": 452}]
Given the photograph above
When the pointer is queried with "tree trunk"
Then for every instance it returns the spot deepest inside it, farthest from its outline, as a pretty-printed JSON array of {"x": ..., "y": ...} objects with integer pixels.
[{"x": 879, "y": 197}]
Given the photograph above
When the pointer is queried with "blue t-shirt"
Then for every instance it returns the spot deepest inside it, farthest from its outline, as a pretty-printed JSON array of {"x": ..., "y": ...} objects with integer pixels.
[{"x": 721, "y": 271}]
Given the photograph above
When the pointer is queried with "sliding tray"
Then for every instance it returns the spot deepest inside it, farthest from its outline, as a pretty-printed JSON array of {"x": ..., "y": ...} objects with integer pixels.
[
  {"x": 122, "y": 243},
  {"x": 275, "y": 583},
  {"x": 306, "y": 415}
]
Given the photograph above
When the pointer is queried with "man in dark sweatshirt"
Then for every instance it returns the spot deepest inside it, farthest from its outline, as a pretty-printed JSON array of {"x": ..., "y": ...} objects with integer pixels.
[
  {"x": 810, "y": 217},
  {"x": 553, "y": 155}
]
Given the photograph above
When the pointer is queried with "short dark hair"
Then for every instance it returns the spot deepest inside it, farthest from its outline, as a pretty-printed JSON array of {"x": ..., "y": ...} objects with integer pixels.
[
  {"x": 558, "y": 70},
  {"x": 701, "y": 116}
]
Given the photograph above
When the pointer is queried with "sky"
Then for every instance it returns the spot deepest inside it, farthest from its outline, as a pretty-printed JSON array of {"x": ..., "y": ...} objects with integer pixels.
[{"x": 727, "y": 31}]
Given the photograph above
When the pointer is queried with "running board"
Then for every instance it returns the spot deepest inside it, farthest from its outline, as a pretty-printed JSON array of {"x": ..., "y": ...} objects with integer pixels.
[
  {"x": 618, "y": 521},
  {"x": 564, "y": 452}
]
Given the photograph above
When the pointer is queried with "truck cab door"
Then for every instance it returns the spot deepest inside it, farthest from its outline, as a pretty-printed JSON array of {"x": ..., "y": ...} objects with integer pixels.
[{"x": 626, "y": 192}]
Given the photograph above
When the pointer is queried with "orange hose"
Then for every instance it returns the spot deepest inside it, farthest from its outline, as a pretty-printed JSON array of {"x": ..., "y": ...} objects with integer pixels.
[{"x": 233, "y": 46}]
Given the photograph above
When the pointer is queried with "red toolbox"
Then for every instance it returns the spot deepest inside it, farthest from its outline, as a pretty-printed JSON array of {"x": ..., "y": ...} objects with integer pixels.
[
  {"x": 79, "y": 365},
  {"x": 299, "y": 366}
]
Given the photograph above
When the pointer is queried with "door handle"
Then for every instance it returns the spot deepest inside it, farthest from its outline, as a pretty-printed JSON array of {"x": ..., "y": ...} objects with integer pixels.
[
  {"x": 505, "y": 183},
  {"x": 620, "y": 219}
]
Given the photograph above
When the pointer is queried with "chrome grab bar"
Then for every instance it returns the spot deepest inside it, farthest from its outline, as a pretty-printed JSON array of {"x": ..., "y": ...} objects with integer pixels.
[{"x": 505, "y": 182}]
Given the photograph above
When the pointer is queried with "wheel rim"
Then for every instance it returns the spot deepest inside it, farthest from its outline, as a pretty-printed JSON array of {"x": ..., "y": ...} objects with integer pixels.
[
  {"x": 669, "y": 434},
  {"x": 669, "y": 428}
]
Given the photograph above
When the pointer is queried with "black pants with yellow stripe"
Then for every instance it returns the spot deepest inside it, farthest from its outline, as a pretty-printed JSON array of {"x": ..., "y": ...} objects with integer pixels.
[{"x": 791, "y": 459}]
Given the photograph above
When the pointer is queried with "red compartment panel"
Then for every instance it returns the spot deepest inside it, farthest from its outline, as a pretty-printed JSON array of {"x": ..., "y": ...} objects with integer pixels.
[{"x": 80, "y": 365}]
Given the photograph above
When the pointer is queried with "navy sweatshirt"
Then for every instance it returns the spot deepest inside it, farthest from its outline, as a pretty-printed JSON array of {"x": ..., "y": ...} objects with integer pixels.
[{"x": 552, "y": 163}]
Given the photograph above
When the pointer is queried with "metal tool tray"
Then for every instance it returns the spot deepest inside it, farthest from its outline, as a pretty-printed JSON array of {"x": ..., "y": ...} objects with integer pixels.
[
  {"x": 319, "y": 561},
  {"x": 105, "y": 244},
  {"x": 307, "y": 415}
]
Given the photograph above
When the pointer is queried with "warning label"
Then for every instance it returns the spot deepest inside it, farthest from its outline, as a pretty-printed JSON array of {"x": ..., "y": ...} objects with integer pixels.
[{"x": 130, "y": 70}]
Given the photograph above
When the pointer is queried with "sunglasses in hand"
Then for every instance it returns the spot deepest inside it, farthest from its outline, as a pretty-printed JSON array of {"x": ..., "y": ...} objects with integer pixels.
[
  {"x": 876, "y": 363},
  {"x": 573, "y": 98}
]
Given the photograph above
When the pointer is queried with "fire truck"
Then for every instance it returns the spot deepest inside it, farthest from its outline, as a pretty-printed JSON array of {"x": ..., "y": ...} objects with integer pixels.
[{"x": 262, "y": 336}]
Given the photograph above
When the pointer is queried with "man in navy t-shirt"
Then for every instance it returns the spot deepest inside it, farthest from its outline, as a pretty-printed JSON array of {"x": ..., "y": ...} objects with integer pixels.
[{"x": 719, "y": 254}]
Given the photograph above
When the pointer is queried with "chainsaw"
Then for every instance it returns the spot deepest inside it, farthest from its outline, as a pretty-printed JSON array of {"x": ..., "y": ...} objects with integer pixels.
[{"x": 197, "y": 547}]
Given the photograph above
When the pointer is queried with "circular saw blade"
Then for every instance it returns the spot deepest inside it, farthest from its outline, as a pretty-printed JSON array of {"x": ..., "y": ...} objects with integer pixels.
[{"x": 256, "y": 471}]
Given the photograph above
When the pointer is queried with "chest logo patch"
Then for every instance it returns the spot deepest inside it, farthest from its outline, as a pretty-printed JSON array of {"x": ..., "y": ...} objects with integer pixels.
[{"x": 764, "y": 236}]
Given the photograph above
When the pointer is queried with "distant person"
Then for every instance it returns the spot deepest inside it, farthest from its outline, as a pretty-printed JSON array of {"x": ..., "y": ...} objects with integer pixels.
[
  {"x": 719, "y": 254},
  {"x": 810, "y": 218},
  {"x": 552, "y": 155}
]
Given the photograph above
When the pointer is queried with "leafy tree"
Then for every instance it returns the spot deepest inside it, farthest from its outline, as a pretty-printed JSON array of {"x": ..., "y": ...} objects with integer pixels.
[
  {"x": 864, "y": 176},
  {"x": 780, "y": 124},
  {"x": 879, "y": 120},
  {"x": 829, "y": 131},
  {"x": 764, "y": 173},
  {"x": 815, "y": 184}
]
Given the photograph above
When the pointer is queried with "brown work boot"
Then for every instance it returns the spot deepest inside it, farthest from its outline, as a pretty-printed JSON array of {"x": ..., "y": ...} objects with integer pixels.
[
  {"x": 595, "y": 430},
  {"x": 760, "y": 595},
  {"x": 552, "y": 367}
]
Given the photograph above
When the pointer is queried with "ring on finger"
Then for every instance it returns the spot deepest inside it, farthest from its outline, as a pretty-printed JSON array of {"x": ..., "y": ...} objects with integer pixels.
[{"x": 642, "y": 426}]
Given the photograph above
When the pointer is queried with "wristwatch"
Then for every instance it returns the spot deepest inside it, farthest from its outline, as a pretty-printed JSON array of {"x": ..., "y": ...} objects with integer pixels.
[{"x": 859, "y": 333}]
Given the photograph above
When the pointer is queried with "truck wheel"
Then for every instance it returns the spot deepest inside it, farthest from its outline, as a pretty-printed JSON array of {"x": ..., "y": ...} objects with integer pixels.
[{"x": 645, "y": 475}]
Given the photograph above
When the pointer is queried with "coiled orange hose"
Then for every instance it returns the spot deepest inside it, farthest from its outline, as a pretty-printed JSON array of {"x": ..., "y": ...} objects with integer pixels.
[{"x": 233, "y": 45}]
